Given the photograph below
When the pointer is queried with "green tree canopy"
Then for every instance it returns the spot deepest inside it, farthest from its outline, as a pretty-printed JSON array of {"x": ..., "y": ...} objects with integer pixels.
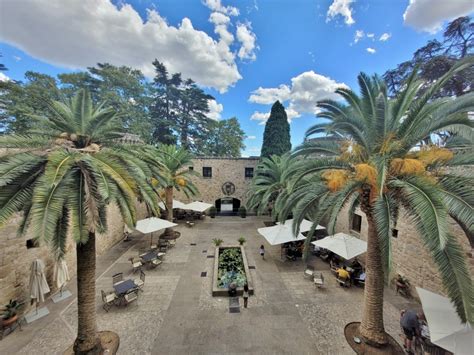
[
  {"x": 222, "y": 138},
  {"x": 276, "y": 137}
]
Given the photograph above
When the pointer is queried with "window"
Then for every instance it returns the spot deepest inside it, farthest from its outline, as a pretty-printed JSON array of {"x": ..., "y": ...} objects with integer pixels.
[
  {"x": 191, "y": 168},
  {"x": 394, "y": 233},
  {"x": 248, "y": 173},
  {"x": 356, "y": 222},
  {"x": 32, "y": 243},
  {"x": 207, "y": 172}
]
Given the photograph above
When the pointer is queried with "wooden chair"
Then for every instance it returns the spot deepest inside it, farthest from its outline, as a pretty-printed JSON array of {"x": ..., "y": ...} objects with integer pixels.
[
  {"x": 117, "y": 278},
  {"x": 130, "y": 297},
  {"x": 309, "y": 272},
  {"x": 136, "y": 264},
  {"x": 141, "y": 281},
  {"x": 319, "y": 281},
  {"x": 108, "y": 299}
]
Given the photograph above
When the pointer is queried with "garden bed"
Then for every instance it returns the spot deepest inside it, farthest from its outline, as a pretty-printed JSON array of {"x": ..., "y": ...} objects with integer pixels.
[{"x": 230, "y": 265}]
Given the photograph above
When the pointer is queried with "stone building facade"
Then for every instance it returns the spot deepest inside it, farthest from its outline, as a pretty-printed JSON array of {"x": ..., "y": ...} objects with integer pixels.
[{"x": 223, "y": 178}]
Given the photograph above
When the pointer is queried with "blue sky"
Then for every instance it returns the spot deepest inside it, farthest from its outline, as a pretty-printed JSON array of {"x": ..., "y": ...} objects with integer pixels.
[{"x": 297, "y": 51}]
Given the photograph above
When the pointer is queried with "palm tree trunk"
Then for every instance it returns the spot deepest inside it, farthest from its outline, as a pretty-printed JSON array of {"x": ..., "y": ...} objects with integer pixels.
[
  {"x": 371, "y": 328},
  {"x": 169, "y": 208},
  {"x": 87, "y": 341}
]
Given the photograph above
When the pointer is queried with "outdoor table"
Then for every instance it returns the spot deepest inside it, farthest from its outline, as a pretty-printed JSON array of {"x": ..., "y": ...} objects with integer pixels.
[
  {"x": 151, "y": 255},
  {"x": 125, "y": 286}
]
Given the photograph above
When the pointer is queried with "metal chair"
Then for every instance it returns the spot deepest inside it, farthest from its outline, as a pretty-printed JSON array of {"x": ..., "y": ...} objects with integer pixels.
[
  {"x": 319, "y": 281},
  {"x": 117, "y": 278},
  {"x": 130, "y": 296},
  {"x": 136, "y": 264},
  {"x": 155, "y": 262},
  {"x": 108, "y": 299},
  {"x": 309, "y": 272},
  {"x": 141, "y": 281}
]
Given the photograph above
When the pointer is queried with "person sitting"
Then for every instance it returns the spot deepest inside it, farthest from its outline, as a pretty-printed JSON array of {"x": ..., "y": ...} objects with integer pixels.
[
  {"x": 343, "y": 275},
  {"x": 360, "y": 279}
]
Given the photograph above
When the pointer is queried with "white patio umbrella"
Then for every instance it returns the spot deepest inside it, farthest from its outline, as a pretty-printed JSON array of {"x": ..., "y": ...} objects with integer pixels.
[
  {"x": 61, "y": 274},
  {"x": 198, "y": 206},
  {"x": 38, "y": 284},
  {"x": 446, "y": 328},
  {"x": 305, "y": 225},
  {"x": 279, "y": 234},
  {"x": 153, "y": 224},
  {"x": 342, "y": 244},
  {"x": 176, "y": 204}
]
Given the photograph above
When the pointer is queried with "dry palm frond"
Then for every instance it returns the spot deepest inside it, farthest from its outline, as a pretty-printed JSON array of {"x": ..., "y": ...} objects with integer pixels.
[
  {"x": 335, "y": 179},
  {"x": 407, "y": 166},
  {"x": 434, "y": 154},
  {"x": 366, "y": 173},
  {"x": 389, "y": 143},
  {"x": 351, "y": 151}
]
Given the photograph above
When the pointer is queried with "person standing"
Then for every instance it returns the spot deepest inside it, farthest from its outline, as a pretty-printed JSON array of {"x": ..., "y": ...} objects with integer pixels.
[
  {"x": 246, "y": 295},
  {"x": 262, "y": 251},
  {"x": 409, "y": 322}
]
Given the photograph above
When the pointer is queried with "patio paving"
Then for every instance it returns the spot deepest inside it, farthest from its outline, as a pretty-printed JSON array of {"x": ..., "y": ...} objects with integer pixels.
[{"x": 176, "y": 313}]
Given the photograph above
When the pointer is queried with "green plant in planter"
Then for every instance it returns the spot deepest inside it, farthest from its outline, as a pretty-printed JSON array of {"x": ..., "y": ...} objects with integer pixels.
[
  {"x": 242, "y": 212},
  {"x": 212, "y": 212},
  {"x": 217, "y": 241},
  {"x": 241, "y": 240},
  {"x": 11, "y": 309}
]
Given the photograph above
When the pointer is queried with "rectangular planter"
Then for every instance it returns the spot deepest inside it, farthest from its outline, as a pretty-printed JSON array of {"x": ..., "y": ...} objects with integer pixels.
[{"x": 222, "y": 292}]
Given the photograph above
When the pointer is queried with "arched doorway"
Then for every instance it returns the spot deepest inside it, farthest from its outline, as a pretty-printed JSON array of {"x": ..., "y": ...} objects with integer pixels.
[{"x": 227, "y": 205}]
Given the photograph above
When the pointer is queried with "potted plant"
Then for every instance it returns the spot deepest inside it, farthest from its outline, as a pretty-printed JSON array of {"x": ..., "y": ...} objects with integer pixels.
[
  {"x": 241, "y": 240},
  {"x": 242, "y": 212},
  {"x": 9, "y": 314},
  {"x": 217, "y": 241},
  {"x": 212, "y": 212}
]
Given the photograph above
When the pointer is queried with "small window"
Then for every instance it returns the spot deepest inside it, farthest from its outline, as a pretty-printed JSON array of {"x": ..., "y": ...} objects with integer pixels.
[
  {"x": 32, "y": 243},
  {"x": 394, "y": 233},
  {"x": 207, "y": 172},
  {"x": 356, "y": 222},
  {"x": 191, "y": 168},
  {"x": 248, "y": 173}
]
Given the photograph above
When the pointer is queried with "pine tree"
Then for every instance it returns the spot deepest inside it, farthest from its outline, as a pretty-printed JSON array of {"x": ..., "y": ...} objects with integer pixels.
[{"x": 276, "y": 137}]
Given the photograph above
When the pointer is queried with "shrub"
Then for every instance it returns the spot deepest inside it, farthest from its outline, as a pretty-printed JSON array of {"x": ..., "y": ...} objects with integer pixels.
[
  {"x": 243, "y": 212},
  {"x": 212, "y": 212},
  {"x": 241, "y": 240},
  {"x": 217, "y": 241}
]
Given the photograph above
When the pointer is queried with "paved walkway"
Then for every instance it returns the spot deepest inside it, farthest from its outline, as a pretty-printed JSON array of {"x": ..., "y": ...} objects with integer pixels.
[{"x": 176, "y": 313}]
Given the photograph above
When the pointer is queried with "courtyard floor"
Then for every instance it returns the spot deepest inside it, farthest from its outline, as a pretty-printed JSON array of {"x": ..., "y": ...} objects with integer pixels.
[{"x": 176, "y": 313}]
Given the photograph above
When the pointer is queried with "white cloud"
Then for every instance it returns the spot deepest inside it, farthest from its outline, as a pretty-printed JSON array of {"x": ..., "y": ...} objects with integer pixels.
[
  {"x": 215, "y": 5},
  {"x": 385, "y": 37},
  {"x": 16, "y": 58},
  {"x": 4, "y": 77},
  {"x": 215, "y": 110},
  {"x": 84, "y": 33},
  {"x": 359, "y": 34},
  {"x": 371, "y": 50},
  {"x": 247, "y": 39},
  {"x": 342, "y": 8},
  {"x": 305, "y": 91},
  {"x": 370, "y": 35},
  {"x": 429, "y": 15},
  {"x": 251, "y": 137}
]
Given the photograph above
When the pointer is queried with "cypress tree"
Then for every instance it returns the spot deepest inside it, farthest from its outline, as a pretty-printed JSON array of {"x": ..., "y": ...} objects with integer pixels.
[{"x": 276, "y": 137}]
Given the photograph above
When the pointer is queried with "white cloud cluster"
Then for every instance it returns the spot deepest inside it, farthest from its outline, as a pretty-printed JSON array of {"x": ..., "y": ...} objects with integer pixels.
[
  {"x": 216, "y": 5},
  {"x": 4, "y": 77},
  {"x": 215, "y": 110},
  {"x": 86, "y": 32},
  {"x": 370, "y": 35},
  {"x": 251, "y": 137},
  {"x": 248, "y": 41},
  {"x": 341, "y": 8},
  {"x": 359, "y": 34},
  {"x": 371, "y": 50},
  {"x": 385, "y": 36},
  {"x": 429, "y": 15},
  {"x": 305, "y": 91}
]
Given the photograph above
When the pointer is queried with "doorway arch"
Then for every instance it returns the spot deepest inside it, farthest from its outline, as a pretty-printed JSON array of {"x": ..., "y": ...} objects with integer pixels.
[{"x": 227, "y": 205}]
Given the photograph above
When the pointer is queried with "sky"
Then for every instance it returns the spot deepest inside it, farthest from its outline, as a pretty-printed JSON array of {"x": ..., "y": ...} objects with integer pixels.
[{"x": 247, "y": 53}]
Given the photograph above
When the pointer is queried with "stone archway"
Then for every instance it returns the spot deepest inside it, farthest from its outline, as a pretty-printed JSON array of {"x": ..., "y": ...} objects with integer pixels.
[{"x": 227, "y": 205}]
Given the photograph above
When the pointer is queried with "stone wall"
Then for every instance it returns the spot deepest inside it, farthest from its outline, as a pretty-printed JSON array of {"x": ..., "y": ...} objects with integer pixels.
[
  {"x": 223, "y": 170},
  {"x": 16, "y": 258},
  {"x": 410, "y": 257}
]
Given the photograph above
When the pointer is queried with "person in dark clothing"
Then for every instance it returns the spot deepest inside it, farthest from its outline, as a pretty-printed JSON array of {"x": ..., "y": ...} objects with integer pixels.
[
  {"x": 409, "y": 322},
  {"x": 246, "y": 295}
]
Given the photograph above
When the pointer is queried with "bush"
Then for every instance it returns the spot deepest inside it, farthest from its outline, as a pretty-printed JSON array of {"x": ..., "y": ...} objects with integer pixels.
[
  {"x": 217, "y": 241},
  {"x": 243, "y": 212},
  {"x": 241, "y": 240}
]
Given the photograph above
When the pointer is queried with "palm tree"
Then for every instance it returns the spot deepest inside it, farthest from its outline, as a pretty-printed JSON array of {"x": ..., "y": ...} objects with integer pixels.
[
  {"x": 175, "y": 175},
  {"x": 373, "y": 158},
  {"x": 62, "y": 177},
  {"x": 269, "y": 182}
]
